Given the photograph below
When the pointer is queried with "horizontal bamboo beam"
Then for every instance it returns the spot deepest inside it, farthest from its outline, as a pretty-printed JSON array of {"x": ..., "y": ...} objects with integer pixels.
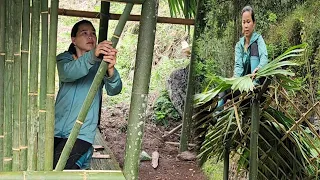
[
  {"x": 90, "y": 14},
  {"x": 126, "y": 1},
  {"x": 56, "y": 175}
]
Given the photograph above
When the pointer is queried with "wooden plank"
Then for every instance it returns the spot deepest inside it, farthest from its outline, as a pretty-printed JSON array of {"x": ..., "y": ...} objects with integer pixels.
[
  {"x": 90, "y": 14},
  {"x": 103, "y": 163}
]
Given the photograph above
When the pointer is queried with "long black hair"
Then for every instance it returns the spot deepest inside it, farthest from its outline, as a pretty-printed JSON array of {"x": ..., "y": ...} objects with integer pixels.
[{"x": 74, "y": 32}]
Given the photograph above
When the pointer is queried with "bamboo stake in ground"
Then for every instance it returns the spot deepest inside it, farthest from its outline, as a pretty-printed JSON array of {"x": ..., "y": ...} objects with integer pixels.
[
  {"x": 43, "y": 84},
  {"x": 255, "y": 120},
  {"x": 2, "y": 64},
  {"x": 33, "y": 87},
  {"x": 24, "y": 84},
  {"x": 17, "y": 76},
  {"x": 92, "y": 92},
  {"x": 188, "y": 107},
  {"x": 48, "y": 166},
  {"x": 7, "y": 159},
  {"x": 140, "y": 89}
]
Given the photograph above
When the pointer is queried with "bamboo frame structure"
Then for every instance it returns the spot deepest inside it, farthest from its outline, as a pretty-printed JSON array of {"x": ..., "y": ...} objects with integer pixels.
[
  {"x": 24, "y": 86},
  {"x": 33, "y": 87},
  {"x": 90, "y": 14},
  {"x": 17, "y": 77},
  {"x": 140, "y": 88},
  {"x": 43, "y": 85},
  {"x": 2, "y": 68},
  {"x": 92, "y": 92},
  {"x": 7, "y": 159},
  {"x": 48, "y": 166},
  {"x": 57, "y": 175},
  {"x": 126, "y": 1}
]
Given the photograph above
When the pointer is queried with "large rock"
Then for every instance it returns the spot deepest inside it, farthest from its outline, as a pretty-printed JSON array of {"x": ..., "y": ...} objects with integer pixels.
[{"x": 177, "y": 87}]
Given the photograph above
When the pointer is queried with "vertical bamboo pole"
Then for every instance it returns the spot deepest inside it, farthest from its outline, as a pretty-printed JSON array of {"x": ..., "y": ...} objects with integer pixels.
[
  {"x": 2, "y": 64},
  {"x": 188, "y": 107},
  {"x": 140, "y": 89},
  {"x": 2, "y": 68},
  {"x": 7, "y": 160},
  {"x": 226, "y": 163},
  {"x": 103, "y": 35},
  {"x": 255, "y": 118},
  {"x": 17, "y": 79},
  {"x": 43, "y": 84},
  {"x": 33, "y": 117},
  {"x": 92, "y": 92},
  {"x": 24, "y": 84},
  {"x": 104, "y": 21},
  {"x": 49, "y": 136}
]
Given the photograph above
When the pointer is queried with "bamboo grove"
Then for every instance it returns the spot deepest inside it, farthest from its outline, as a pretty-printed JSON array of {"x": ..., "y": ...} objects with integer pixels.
[{"x": 27, "y": 90}]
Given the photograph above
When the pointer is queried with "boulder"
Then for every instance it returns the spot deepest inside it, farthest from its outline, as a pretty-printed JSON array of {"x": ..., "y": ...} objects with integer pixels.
[{"x": 177, "y": 88}]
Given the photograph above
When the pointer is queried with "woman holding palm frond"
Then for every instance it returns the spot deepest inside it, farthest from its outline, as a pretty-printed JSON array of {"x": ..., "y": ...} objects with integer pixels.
[{"x": 250, "y": 52}]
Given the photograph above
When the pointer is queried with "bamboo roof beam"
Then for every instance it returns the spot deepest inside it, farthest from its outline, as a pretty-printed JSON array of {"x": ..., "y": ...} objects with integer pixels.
[
  {"x": 90, "y": 14},
  {"x": 126, "y": 1}
]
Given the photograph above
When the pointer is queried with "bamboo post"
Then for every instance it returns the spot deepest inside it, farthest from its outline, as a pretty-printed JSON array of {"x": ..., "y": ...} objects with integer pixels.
[
  {"x": 226, "y": 163},
  {"x": 2, "y": 65},
  {"x": 24, "y": 85},
  {"x": 17, "y": 77},
  {"x": 255, "y": 118},
  {"x": 92, "y": 92},
  {"x": 188, "y": 107},
  {"x": 43, "y": 84},
  {"x": 49, "y": 136},
  {"x": 103, "y": 35},
  {"x": 104, "y": 21},
  {"x": 54, "y": 175},
  {"x": 7, "y": 159},
  {"x": 33, "y": 117},
  {"x": 139, "y": 95}
]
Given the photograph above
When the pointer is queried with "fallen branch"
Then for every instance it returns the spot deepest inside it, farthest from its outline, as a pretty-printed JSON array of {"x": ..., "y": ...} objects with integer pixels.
[{"x": 172, "y": 131}]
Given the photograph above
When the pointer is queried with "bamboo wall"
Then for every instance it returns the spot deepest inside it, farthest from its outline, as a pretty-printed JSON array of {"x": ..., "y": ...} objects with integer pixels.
[
  {"x": 27, "y": 90},
  {"x": 24, "y": 94}
]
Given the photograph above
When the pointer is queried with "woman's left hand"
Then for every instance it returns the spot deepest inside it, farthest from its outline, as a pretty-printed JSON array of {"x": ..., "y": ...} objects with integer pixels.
[{"x": 111, "y": 59}]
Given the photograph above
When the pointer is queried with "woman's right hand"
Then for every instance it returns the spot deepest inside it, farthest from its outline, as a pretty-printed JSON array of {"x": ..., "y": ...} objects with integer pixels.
[{"x": 104, "y": 48}]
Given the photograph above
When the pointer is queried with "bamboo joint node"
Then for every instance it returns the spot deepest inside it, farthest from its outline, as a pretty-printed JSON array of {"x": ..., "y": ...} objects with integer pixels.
[
  {"x": 17, "y": 54},
  {"x": 7, "y": 159},
  {"x": 115, "y": 36},
  {"x": 2, "y": 54},
  {"x": 33, "y": 94},
  {"x": 9, "y": 60},
  {"x": 51, "y": 95},
  {"x": 15, "y": 149},
  {"x": 45, "y": 12},
  {"x": 24, "y": 51},
  {"x": 23, "y": 147},
  {"x": 79, "y": 122},
  {"x": 2, "y": 136},
  {"x": 42, "y": 111}
]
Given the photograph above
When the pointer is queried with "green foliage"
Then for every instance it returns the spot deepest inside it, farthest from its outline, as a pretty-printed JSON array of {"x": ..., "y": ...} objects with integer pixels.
[
  {"x": 164, "y": 110},
  {"x": 213, "y": 169}
]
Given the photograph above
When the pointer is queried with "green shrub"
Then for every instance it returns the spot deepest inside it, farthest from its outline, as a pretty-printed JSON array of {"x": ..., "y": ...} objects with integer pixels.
[{"x": 164, "y": 110}]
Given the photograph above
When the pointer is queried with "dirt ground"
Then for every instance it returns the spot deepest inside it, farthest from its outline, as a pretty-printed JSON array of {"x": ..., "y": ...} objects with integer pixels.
[{"x": 113, "y": 126}]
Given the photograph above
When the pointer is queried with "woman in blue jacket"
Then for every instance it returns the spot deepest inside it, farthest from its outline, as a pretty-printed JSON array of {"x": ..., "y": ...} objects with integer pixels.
[
  {"x": 250, "y": 52},
  {"x": 77, "y": 68}
]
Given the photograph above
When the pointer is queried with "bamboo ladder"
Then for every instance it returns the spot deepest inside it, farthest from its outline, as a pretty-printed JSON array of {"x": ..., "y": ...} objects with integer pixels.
[{"x": 27, "y": 106}]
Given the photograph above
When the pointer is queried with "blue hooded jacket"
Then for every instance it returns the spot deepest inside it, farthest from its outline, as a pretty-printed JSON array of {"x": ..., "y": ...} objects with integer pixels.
[
  {"x": 76, "y": 77},
  {"x": 242, "y": 56}
]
